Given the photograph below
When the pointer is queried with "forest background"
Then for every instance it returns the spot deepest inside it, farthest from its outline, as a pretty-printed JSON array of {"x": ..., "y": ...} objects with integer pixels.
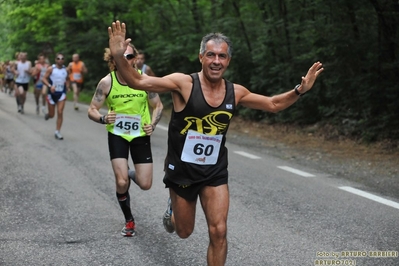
[{"x": 274, "y": 44}]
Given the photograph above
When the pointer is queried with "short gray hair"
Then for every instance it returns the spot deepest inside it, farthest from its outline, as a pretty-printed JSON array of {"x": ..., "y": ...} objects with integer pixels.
[{"x": 217, "y": 37}]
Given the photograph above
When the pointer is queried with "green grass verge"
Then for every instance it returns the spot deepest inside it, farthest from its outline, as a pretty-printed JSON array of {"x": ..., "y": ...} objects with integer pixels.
[{"x": 84, "y": 96}]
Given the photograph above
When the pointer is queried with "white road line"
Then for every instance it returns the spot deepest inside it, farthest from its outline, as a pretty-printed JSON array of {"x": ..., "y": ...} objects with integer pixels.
[
  {"x": 371, "y": 196},
  {"x": 248, "y": 155},
  {"x": 295, "y": 171},
  {"x": 162, "y": 127}
]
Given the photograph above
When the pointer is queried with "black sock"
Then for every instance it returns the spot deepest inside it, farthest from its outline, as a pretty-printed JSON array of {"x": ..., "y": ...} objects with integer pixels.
[{"x": 124, "y": 202}]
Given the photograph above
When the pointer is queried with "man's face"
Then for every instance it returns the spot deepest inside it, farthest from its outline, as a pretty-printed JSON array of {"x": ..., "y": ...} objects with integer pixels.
[
  {"x": 140, "y": 60},
  {"x": 22, "y": 57},
  {"x": 215, "y": 60},
  {"x": 75, "y": 58},
  {"x": 40, "y": 60},
  {"x": 59, "y": 60}
]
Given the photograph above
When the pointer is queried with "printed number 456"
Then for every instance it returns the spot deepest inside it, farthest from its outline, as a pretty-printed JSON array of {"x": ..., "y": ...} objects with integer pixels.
[{"x": 128, "y": 125}]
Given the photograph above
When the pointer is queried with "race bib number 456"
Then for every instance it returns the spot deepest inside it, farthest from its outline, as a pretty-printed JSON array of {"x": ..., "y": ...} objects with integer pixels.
[
  {"x": 127, "y": 125},
  {"x": 201, "y": 149}
]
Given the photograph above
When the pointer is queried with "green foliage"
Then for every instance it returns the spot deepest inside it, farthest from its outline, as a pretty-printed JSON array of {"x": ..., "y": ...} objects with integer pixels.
[{"x": 274, "y": 43}]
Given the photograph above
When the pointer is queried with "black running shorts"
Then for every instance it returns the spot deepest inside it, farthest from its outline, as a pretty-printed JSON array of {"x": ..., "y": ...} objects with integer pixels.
[
  {"x": 140, "y": 148},
  {"x": 25, "y": 86},
  {"x": 191, "y": 192}
]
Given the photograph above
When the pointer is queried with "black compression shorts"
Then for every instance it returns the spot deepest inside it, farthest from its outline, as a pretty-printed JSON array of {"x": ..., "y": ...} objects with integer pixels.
[
  {"x": 25, "y": 86},
  {"x": 140, "y": 148},
  {"x": 191, "y": 192}
]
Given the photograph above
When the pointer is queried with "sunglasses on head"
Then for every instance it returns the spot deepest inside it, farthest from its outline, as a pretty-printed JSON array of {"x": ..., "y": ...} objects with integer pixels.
[
  {"x": 129, "y": 56},
  {"x": 60, "y": 58}
]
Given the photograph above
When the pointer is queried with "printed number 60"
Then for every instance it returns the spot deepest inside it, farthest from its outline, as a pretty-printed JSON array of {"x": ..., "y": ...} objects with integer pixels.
[{"x": 199, "y": 149}]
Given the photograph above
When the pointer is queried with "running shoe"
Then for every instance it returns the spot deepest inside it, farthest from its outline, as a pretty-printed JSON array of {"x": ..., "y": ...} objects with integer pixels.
[
  {"x": 46, "y": 117},
  {"x": 44, "y": 110},
  {"x": 167, "y": 218},
  {"x": 128, "y": 230},
  {"x": 37, "y": 110},
  {"x": 22, "y": 110},
  {"x": 19, "y": 108},
  {"x": 76, "y": 108},
  {"x": 58, "y": 135}
]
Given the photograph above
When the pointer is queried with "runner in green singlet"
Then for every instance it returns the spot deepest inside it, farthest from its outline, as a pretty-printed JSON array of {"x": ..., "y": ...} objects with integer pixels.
[{"x": 129, "y": 126}]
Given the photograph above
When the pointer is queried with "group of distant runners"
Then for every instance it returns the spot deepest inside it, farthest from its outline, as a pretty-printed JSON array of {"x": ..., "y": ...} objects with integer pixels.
[{"x": 50, "y": 81}]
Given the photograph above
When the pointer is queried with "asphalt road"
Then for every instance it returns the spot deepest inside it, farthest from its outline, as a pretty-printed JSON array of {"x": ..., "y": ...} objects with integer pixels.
[{"x": 58, "y": 205}]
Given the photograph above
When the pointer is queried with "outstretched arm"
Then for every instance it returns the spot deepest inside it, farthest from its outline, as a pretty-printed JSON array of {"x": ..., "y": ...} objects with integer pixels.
[
  {"x": 118, "y": 45},
  {"x": 278, "y": 102}
]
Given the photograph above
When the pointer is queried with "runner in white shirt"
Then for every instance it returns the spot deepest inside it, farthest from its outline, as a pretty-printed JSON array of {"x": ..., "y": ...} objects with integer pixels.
[{"x": 23, "y": 73}]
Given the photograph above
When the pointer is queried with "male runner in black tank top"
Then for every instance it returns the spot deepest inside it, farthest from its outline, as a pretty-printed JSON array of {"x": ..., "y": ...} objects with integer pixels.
[{"x": 203, "y": 104}]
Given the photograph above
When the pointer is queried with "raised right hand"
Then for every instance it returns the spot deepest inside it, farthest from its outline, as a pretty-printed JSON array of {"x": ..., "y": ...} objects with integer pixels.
[{"x": 117, "y": 35}]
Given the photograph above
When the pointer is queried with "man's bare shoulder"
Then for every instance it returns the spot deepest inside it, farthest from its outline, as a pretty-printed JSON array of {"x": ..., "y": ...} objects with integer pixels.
[
  {"x": 104, "y": 85},
  {"x": 105, "y": 81},
  {"x": 240, "y": 91}
]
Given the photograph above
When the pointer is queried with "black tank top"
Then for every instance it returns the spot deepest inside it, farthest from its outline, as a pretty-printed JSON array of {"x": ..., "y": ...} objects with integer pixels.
[{"x": 203, "y": 159}]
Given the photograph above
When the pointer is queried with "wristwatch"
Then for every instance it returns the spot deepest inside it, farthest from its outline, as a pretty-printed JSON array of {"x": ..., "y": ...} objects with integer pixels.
[
  {"x": 102, "y": 119},
  {"x": 296, "y": 90}
]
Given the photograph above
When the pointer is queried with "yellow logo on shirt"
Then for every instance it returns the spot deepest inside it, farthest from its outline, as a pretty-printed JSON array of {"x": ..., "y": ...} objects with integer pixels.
[{"x": 214, "y": 123}]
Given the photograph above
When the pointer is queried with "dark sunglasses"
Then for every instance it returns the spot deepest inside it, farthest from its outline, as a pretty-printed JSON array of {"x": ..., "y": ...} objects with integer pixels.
[
  {"x": 129, "y": 56},
  {"x": 60, "y": 58}
]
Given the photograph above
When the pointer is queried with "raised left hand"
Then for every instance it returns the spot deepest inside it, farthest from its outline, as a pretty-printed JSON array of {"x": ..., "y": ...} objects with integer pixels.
[{"x": 310, "y": 78}]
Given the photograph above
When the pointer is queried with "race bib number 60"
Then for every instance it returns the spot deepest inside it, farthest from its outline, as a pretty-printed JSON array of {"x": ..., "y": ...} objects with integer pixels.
[
  {"x": 201, "y": 149},
  {"x": 127, "y": 125}
]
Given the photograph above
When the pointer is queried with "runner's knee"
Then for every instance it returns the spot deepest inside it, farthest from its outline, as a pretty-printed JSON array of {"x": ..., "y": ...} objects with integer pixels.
[
  {"x": 145, "y": 185},
  {"x": 122, "y": 184},
  {"x": 183, "y": 232},
  {"x": 218, "y": 232},
  {"x": 185, "y": 225},
  {"x": 144, "y": 182}
]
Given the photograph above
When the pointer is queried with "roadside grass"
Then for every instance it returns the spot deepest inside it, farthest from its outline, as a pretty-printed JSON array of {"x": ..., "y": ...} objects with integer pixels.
[{"x": 84, "y": 96}]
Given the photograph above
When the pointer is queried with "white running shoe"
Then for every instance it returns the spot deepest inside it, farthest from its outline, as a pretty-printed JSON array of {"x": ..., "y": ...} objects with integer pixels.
[{"x": 58, "y": 135}]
